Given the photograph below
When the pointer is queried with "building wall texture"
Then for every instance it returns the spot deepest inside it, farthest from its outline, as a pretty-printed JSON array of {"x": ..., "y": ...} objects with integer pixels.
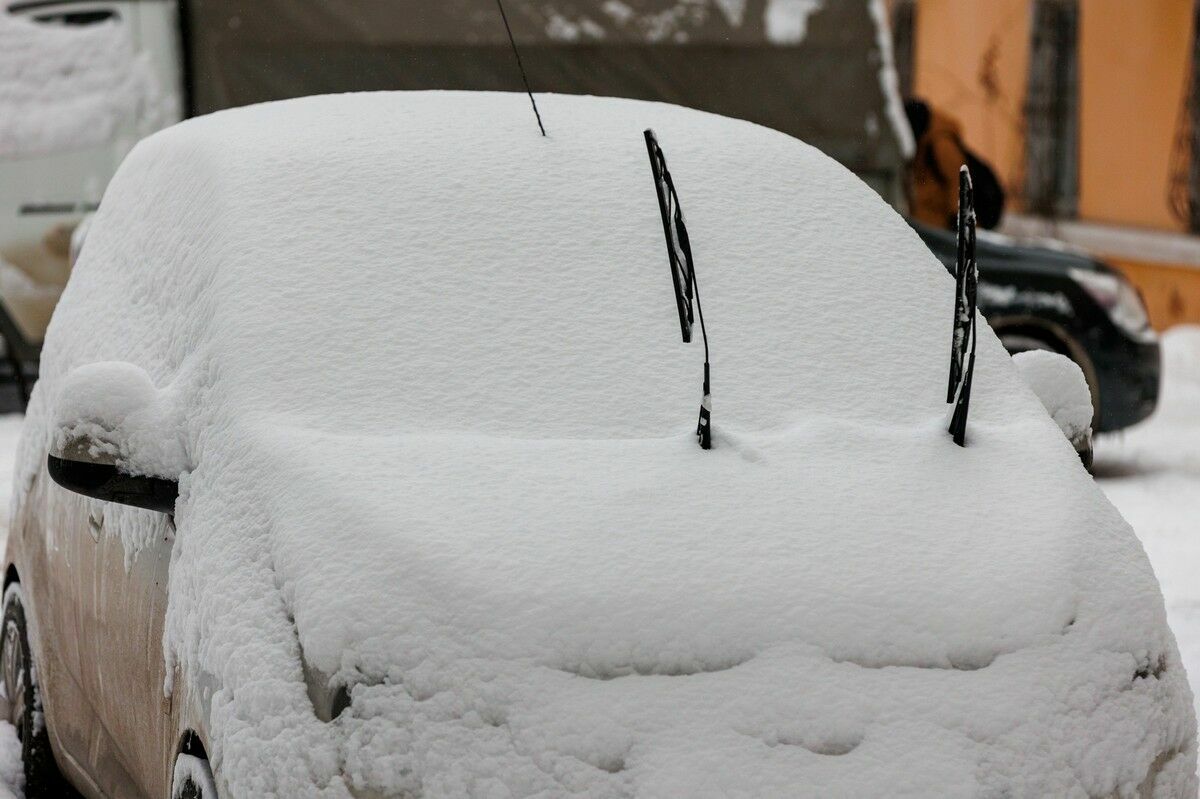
[
  {"x": 971, "y": 59},
  {"x": 1134, "y": 59}
]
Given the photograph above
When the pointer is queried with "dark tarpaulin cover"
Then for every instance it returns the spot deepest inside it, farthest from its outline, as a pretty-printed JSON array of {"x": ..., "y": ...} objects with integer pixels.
[{"x": 715, "y": 55}]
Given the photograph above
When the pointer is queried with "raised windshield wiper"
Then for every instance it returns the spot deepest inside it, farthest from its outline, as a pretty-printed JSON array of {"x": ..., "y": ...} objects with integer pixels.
[
  {"x": 966, "y": 288},
  {"x": 683, "y": 273}
]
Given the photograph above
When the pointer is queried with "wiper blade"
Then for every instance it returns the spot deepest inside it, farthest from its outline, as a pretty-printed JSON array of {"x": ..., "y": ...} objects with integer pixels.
[{"x": 683, "y": 273}]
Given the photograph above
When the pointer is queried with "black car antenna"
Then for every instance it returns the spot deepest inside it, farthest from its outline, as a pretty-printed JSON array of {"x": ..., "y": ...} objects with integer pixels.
[{"x": 520, "y": 66}]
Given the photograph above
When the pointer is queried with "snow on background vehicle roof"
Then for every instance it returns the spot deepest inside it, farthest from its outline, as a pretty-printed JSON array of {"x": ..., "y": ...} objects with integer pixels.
[
  {"x": 779, "y": 22},
  {"x": 438, "y": 421},
  {"x": 68, "y": 87},
  {"x": 783, "y": 21}
]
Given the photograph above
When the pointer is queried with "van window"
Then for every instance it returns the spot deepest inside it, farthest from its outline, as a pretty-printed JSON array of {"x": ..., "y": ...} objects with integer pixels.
[{"x": 77, "y": 17}]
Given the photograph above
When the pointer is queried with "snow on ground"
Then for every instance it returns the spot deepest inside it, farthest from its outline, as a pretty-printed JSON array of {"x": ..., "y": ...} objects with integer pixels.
[
  {"x": 1152, "y": 475},
  {"x": 11, "y": 774},
  {"x": 10, "y": 747}
]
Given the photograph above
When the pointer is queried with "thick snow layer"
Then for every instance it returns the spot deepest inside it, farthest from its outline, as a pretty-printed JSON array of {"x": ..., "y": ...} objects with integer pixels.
[
  {"x": 1152, "y": 473},
  {"x": 193, "y": 769},
  {"x": 1061, "y": 387},
  {"x": 70, "y": 87},
  {"x": 115, "y": 414},
  {"x": 437, "y": 423},
  {"x": 12, "y": 772}
]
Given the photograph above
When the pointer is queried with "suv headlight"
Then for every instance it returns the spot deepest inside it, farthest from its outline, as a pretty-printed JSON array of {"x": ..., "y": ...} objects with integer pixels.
[{"x": 1118, "y": 298}]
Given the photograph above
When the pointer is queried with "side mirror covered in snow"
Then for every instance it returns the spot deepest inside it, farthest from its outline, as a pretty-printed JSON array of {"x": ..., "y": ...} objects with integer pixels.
[
  {"x": 113, "y": 439},
  {"x": 1063, "y": 390}
]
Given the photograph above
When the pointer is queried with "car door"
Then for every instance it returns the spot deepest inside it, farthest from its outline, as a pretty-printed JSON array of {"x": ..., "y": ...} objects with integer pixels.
[
  {"x": 124, "y": 647},
  {"x": 57, "y": 578}
]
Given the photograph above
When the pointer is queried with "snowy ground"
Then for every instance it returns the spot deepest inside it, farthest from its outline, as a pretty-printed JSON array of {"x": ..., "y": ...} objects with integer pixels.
[
  {"x": 10, "y": 752},
  {"x": 1151, "y": 473}
]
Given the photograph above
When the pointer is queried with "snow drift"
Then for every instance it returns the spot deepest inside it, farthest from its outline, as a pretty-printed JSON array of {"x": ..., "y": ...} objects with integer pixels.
[{"x": 435, "y": 421}]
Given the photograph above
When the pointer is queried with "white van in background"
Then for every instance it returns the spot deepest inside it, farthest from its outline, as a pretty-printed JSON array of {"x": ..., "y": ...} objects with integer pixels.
[{"x": 80, "y": 82}]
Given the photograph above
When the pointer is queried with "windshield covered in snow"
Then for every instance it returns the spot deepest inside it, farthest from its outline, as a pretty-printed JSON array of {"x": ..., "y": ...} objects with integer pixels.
[{"x": 422, "y": 263}]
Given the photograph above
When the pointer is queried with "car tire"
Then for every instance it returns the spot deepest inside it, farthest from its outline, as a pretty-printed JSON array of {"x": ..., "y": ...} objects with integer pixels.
[
  {"x": 24, "y": 704},
  {"x": 1020, "y": 342},
  {"x": 192, "y": 779}
]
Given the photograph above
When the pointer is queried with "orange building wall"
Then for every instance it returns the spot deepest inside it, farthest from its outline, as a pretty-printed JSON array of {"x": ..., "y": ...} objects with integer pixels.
[
  {"x": 971, "y": 61},
  {"x": 1132, "y": 62}
]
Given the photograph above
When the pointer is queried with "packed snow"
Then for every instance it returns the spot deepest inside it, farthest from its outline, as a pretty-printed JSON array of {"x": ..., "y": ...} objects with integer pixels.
[
  {"x": 1152, "y": 474},
  {"x": 188, "y": 767},
  {"x": 1062, "y": 389},
  {"x": 112, "y": 413},
  {"x": 437, "y": 426},
  {"x": 11, "y": 775},
  {"x": 69, "y": 87}
]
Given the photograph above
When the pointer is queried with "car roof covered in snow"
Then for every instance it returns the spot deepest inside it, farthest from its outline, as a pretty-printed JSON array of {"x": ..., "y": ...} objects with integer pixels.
[
  {"x": 422, "y": 370},
  {"x": 518, "y": 285}
]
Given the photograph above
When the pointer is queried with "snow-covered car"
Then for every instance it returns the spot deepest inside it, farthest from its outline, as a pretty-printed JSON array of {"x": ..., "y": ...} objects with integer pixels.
[{"x": 387, "y": 397}]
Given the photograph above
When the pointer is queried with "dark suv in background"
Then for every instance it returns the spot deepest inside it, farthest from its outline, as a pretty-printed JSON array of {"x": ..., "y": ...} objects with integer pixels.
[{"x": 1041, "y": 297}]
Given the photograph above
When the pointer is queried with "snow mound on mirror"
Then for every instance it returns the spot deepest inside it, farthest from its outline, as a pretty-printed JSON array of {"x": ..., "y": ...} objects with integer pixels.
[
  {"x": 441, "y": 472},
  {"x": 111, "y": 412},
  {"x": 1061, "y": 387}
]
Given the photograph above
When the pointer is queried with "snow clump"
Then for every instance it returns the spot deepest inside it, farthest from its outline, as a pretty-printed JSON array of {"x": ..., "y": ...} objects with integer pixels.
[
  {"x": 111, "y": 412},
  {"x": 1061, "y": 387}
]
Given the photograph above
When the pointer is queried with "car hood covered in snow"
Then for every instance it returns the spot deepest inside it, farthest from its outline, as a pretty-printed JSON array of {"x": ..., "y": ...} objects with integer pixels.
[{"x": 436, "y": 417}]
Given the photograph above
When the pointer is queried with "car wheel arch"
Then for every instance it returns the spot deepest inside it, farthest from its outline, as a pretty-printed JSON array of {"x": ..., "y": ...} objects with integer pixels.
[{"x": 191, "y": 743}]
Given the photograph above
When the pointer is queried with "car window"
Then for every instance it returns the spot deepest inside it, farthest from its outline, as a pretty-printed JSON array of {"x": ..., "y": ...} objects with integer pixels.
[
  {"x": 75, "y": 14},
  {"x": 78, "y": 18}
]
